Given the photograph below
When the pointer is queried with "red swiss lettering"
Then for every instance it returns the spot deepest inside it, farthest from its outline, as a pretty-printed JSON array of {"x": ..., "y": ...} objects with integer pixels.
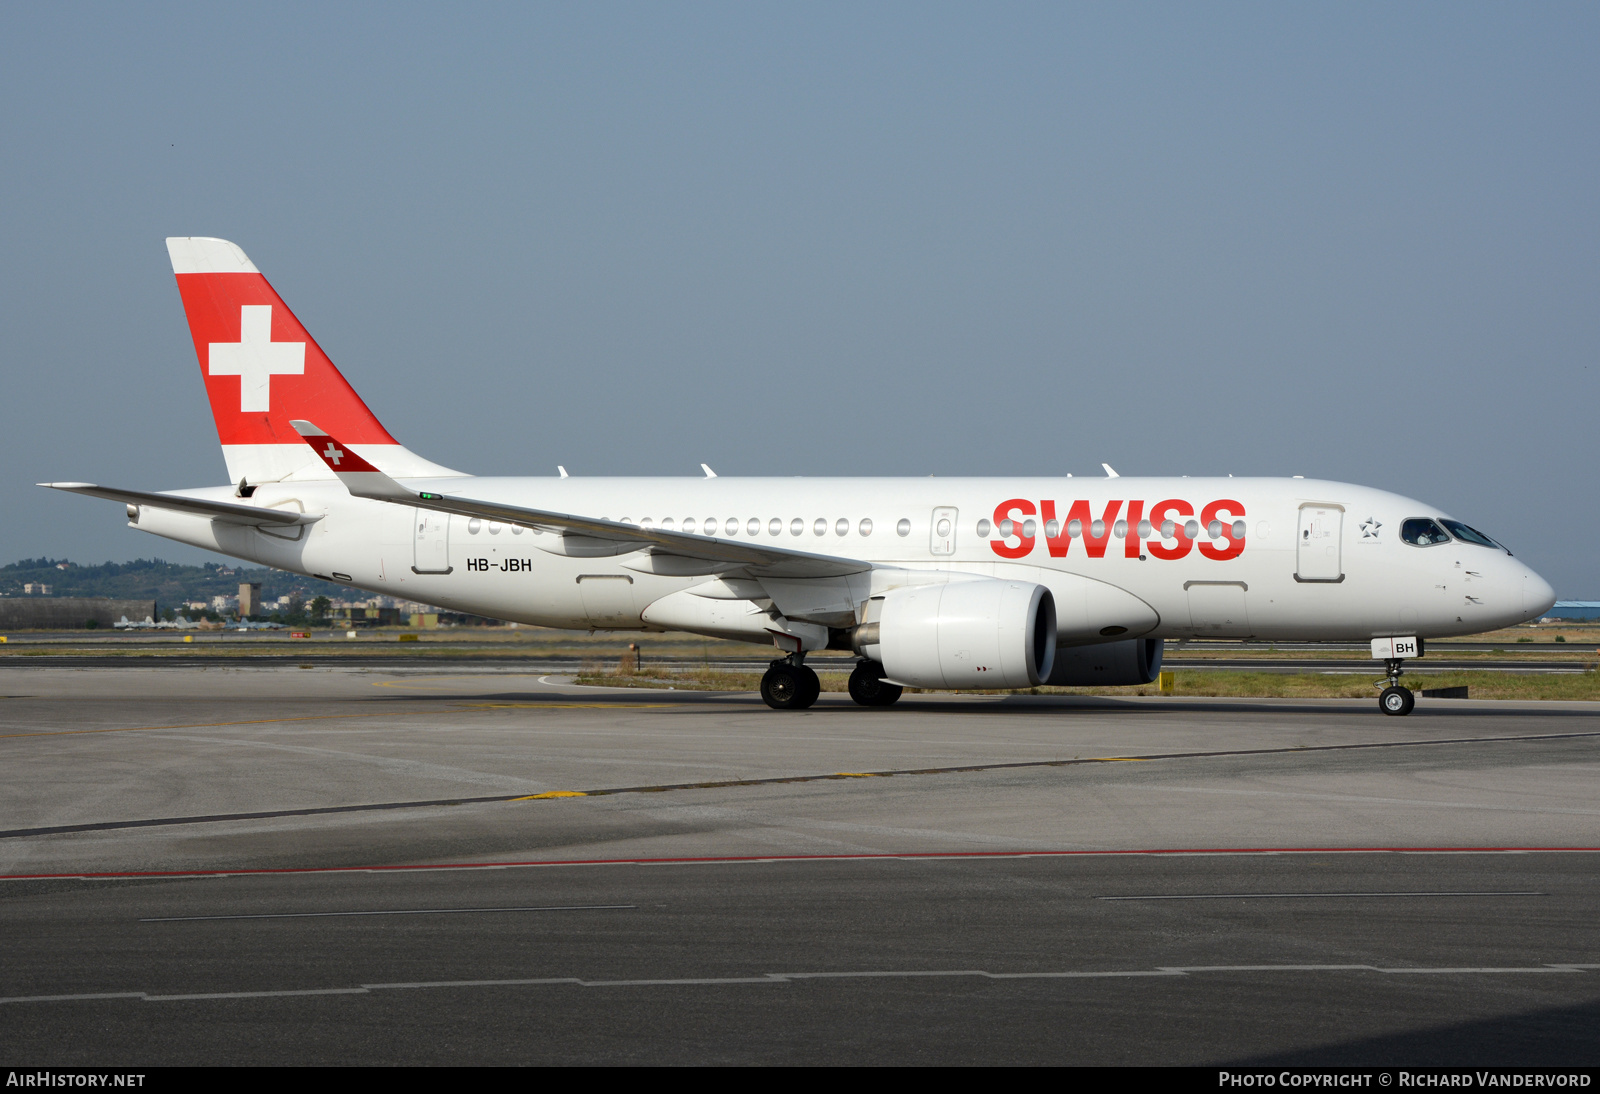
[
  {"x": 1158, "y": 517},
  {"x": 1061, "y": 542},
  {"x": 1003, "y": 513},
  {"x": 1131, "y": 543},
  {"x": 1215, "y": 511}
]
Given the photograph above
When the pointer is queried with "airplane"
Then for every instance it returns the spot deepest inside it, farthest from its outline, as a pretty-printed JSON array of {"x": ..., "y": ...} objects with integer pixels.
[
  {"x": 179, "y": 623},
  {"x": 949, "y": 584}
]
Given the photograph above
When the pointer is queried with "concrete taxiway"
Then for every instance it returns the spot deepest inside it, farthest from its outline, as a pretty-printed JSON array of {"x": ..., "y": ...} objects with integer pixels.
[{"x": 955, "y": 879}]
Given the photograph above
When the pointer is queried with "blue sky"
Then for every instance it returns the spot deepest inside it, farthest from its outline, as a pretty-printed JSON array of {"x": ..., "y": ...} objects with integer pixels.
[{"x": 1348, "y": 241}]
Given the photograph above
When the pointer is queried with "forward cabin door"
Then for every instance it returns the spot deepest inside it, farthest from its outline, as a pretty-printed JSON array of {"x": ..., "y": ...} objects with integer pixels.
[
  {"x": 1317, "y": 549},
  {"x": 431, "y": 547},
  {"x": 943, "y": 532}
]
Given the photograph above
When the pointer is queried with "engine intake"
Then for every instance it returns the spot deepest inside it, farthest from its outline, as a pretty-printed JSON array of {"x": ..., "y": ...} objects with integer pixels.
[{"x": 981, "y": 633}]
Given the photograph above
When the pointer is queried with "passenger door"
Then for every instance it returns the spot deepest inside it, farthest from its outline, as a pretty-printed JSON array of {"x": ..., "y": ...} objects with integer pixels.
[
  {"x": 1317, "y": 549},
  {"x": 431, "y": 550}
]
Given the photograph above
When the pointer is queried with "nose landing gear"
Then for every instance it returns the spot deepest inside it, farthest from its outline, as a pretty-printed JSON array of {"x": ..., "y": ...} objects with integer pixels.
[
  {"x": 1394, "y": 699},
  {"x": 789, "y": 685}
]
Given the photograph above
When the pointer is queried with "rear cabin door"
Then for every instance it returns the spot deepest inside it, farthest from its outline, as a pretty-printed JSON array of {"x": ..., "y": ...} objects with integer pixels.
[
  {"x": 943, "y": 531},
  {"x": 431, "y": 550},
  {"x": 1317, "y": 550}
]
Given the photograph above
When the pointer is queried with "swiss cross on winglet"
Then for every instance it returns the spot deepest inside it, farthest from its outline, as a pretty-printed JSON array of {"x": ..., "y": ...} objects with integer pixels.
[{"x": 359, "y": 477}]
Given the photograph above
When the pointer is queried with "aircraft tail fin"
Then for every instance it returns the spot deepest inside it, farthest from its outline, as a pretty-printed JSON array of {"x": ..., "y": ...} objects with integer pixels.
[{"x": 262, "y": 370}]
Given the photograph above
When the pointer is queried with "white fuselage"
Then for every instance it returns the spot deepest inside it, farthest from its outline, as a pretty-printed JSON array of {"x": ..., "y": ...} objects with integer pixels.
[{"x": 1318, "y": 560}]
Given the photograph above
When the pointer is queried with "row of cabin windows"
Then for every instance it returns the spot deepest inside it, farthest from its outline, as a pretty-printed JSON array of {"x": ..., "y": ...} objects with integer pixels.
[
  {"x": 712, "y": 526},
  {"x": 841, "y": 527},
  {"x": 1190, "y": 529}
]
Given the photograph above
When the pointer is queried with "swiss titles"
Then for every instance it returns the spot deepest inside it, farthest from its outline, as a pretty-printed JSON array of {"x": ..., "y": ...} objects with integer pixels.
[{"x": 1167, "y": 529}]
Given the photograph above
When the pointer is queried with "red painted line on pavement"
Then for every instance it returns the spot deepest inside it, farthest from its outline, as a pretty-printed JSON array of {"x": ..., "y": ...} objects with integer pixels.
[{"x": 863, "y": 856}]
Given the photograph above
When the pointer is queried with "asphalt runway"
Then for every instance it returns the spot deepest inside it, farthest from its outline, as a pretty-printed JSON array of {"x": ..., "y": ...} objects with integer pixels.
[{"x": 275, "y": 865}]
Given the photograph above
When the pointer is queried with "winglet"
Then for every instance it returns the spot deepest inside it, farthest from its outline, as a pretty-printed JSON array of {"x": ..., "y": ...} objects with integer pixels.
[{"x": 359, "y": 477}]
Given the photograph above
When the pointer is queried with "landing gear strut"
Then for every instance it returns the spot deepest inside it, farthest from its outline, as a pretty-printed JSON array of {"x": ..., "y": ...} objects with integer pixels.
[
  {"x": 868, "y": 687},
  {"x": 789, "y": 684},
  {"x": 1394, "y": 699}
]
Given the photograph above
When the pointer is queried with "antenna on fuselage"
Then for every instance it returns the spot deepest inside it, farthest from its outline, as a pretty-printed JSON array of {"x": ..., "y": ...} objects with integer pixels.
[
  {"x": 1111, "y": 472},
  {"x": 710, "y": 474},
  {"x": 563, "y": 471}
]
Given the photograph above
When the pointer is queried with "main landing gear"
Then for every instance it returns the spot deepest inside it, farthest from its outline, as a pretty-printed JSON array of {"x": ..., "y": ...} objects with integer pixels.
[
  {"x": 868, "y": 687},
  {"x": 1394, "y": 699},
  {"x": 789, "y": 684}
]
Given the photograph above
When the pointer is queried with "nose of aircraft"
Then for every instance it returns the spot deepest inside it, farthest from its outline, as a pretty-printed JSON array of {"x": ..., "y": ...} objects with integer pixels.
[{"x": 1537, "y": 595}]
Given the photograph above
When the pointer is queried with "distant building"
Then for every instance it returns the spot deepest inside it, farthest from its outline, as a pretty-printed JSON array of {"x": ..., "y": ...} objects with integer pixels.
[
  {"x": 1575, "y": 609},
  {"x": 61, "y": 613},
  {"x": 249, "y": 598},
  {"x": 36, "y": 588}
]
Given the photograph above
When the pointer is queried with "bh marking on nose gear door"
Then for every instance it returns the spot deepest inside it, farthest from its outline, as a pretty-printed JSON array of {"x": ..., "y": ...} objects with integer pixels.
[{"x": 943, "y": 531}]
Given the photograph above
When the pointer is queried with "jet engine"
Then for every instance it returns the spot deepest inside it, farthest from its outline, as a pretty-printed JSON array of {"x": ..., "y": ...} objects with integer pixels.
[
  {"x": 1109, "y": 664},
  {"x": 982, "y": 633}
]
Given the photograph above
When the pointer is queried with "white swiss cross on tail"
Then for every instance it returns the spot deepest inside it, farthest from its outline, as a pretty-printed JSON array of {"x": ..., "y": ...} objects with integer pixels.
[{"x": 255, "y": 358}]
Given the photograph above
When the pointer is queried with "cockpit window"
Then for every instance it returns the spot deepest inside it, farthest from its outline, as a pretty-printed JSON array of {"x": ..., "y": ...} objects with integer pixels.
[
  {"x": 1471, "y": 535},
  {"x": 1423, "y": 532}
]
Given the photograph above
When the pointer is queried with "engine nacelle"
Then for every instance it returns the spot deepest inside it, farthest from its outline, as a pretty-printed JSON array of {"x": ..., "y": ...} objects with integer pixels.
[
  {"x": 1109, "y": 664},
  {"x": 982, "y": 633}
]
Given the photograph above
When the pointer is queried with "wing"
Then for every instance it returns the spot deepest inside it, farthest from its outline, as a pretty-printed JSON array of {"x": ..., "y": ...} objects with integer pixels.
[
  {"x": 608, "y": 536},
  {"x": 226, "y": 511}
]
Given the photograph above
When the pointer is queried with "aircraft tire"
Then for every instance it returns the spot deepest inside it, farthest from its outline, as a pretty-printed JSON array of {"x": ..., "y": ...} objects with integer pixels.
[
  {"x": 868, "y": 689},
  {"x": 813, "y": 686},
  {"x": 1397, "y": 701},
  {"x": 787, "y": 687}
]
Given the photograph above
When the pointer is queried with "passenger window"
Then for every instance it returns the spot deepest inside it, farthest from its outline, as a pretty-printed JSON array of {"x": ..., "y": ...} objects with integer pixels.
[
  {"x": 732, "y": 526},
  {"x": 820, "y": 528},
  {"x": 688, "y": 525},
  {"x": 903, "y": 528},
  {"x": 1422, "y": 532},
  {"x": 866, "y": 526},
  {"x": 983, "y": 529},
  {"x": 775, "y": 527},
  {"x": 796, "y": 526},
  {"x": 841, "y": 527}
]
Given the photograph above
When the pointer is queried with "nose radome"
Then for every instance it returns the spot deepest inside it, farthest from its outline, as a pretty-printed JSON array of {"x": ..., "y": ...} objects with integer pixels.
[{"x": 1537, "y": 595}]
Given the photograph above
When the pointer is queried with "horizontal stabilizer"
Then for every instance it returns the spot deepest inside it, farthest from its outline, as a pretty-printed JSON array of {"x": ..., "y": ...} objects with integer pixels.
[{"x": 226, "y": 511}]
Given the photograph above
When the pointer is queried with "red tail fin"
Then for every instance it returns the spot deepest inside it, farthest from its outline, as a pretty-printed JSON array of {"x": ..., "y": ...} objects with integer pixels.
[{"x": 262, "y": 370}]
